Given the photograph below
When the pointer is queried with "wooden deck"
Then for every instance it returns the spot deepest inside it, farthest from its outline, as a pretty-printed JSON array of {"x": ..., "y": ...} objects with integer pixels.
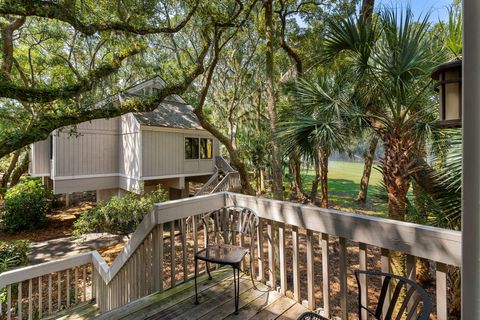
[{"x": 216, "y": 302}]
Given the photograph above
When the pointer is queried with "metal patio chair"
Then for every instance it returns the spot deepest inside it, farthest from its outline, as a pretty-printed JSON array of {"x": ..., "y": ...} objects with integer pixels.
[
  {"x": 410, "y": 306},
  {"x": 228, "y": 222},
  {"x": 311, "y": 316}
]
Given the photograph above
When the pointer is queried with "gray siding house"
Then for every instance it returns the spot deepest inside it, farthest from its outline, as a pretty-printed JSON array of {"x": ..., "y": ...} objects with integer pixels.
[{"x": 135, "y": 152}]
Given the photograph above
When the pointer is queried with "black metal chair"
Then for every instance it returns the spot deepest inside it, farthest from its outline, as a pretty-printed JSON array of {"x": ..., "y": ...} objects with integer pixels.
[
  {"x": 228, "y": 222},
  {"x": 311, "y": 316},
  {"x": 410, "y": 306}
]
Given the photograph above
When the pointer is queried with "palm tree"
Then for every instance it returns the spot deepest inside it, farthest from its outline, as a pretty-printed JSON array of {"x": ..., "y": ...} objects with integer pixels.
[
  {"x": 316, "y": 125},
  {"x": 392, "y": 58}
]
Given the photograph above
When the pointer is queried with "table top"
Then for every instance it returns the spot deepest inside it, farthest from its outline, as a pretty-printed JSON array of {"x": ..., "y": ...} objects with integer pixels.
[{"x": 222, "y": 253}]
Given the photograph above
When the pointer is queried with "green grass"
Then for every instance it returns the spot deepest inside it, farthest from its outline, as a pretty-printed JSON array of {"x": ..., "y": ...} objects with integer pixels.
[{"x": 343, "y": 185}]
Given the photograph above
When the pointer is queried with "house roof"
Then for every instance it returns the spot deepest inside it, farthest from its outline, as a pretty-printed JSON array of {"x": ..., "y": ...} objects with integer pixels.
[{"x": 172, "y": 113}]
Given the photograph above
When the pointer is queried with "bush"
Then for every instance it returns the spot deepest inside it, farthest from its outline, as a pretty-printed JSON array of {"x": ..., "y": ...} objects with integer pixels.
[
  {"x": 13, "y": 254},
  {"x": 26, "y": 206},
  {"x": 119, "y": 215}
]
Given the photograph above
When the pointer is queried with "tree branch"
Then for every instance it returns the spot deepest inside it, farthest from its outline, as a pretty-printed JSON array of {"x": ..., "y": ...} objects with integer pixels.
[
  {"x": 54, "y": 10},
  {"x": 8, "y": 89}
]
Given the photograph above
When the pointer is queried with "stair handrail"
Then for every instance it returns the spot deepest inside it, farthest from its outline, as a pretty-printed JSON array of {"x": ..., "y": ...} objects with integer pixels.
[
  {"x": 230, "y": 177},
  {"x": 210, "y": 183},
  {"x": 223, "y": 165}
]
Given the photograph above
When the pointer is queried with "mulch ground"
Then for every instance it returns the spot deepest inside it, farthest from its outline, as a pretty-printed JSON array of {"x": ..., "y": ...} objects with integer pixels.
[{"x": 60, "y": 224}]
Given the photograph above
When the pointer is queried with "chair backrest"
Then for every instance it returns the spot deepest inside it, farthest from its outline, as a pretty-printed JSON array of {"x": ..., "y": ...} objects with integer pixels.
[
  {"x": 415, "y": 305},
  {"x": 228, "y": 222}
]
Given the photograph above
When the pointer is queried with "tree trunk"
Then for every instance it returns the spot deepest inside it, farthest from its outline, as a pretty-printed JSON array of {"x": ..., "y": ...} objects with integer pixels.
[
  {"x": 396, "y": 176},
  {"x": 297, "y": 191},
  {"x": 262, "y": 179},
  {"x": 11, "y": 167},
  {"x": 324, "y": 178},
  {"x": 316, "y": 180},
  {"x": 20, "y": 170},
  {"x": 277, "y": 185},
  {"x": 367, "y": 170},
  {"x": 367, "y": 8}
]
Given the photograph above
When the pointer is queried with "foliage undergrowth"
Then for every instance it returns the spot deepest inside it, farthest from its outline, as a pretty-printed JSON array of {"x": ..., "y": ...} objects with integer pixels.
[
  {"x": 119, "y": 215},
  {"x": 26, "y": 206}
]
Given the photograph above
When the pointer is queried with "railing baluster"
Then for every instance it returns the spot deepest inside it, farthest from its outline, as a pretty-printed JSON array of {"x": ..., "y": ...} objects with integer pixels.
[
  {"x": 40, "y": 297},
  {"x": 325, "y": 275},
  {"x": 283, "y": 262},
  {"x": 271, "y": 256},
  {"x": 441, "y": 292},
  {"x": 76, "y": 285},
  {"x": 362, "y": 254},
  {"x": 172, "y": 254},
  {"x": 261, "y": 271},
  {"x": 19, "y": 301},
  {"x": 84, "y": 281},
  {"x": 195, "y": 234},
  {"x": 68, "y": 288},
  {"x": 310, "y": 271},
  {"x": 157, "y": 257},
  {"x": 411, "y": 273},
  {"x": 49, "y": 294},
  {"x": 184, "y": 249},
  {"x": 30, "y": 300},
  {"x": 9, "y": 302},
  {"x": 59, "y": 290},
  {"x": 295, "y": 262},
  {"x": 343, "y": 276}
]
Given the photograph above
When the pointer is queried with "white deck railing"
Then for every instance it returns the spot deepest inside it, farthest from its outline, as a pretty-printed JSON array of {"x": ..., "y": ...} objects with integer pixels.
[{"x": 310, "y": 231}]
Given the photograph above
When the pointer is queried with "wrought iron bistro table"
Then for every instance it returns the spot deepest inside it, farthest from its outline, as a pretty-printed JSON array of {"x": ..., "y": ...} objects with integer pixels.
[
  {"x": 236, "y": 221},
  {"x": 224, "y": 254}
]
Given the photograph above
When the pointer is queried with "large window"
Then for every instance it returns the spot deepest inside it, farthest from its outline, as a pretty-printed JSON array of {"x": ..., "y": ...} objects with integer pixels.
[
  {"x": 206, "y": 148},
  {"x": 191, "y": 148},
  {"x": 198, "y": 148}
]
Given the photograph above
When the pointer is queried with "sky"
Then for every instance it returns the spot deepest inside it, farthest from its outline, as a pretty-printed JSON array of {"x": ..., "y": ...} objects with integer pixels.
[{"x": 438, "y": 8}]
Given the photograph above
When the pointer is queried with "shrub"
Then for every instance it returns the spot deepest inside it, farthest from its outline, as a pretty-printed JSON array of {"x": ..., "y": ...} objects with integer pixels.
[
  {"x": 26, "y": 206},
  {"x": 13, "y": 254},
  {"x": 119, "y": 215}
]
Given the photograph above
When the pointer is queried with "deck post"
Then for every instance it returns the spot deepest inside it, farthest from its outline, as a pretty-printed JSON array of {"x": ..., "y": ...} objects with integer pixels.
[{"x": 471, "y": 162}]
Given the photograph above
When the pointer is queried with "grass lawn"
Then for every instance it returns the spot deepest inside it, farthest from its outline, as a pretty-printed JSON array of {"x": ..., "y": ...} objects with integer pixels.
[{"x": 343, "y": 185}]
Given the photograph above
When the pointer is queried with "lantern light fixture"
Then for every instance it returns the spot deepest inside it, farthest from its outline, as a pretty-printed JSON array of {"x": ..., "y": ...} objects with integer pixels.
[{"x": 448, "y": 77}]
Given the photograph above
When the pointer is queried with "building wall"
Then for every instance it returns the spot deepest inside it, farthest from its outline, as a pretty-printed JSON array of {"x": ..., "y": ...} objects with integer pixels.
[
  {"x": 163, "y": 154},
  {"x": 129, "y": 139},
  {"x": 92, "y": 150},
  {"x": 40, "y": 158}
]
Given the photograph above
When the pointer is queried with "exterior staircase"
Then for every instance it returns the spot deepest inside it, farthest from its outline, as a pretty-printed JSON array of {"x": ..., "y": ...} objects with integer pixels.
[{"x": 225, "y": 179}]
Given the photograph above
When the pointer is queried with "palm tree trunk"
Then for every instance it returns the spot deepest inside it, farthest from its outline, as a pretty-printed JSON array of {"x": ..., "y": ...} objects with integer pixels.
[
  {"x": 367, "y": 170},
  {"x": 396, "y": 176},
  {"x": 316, "y": 180},
  {"x": 296, "y": 184},
  {"x": 277, "y": 185},
  {"x": 324, "y": 178}
]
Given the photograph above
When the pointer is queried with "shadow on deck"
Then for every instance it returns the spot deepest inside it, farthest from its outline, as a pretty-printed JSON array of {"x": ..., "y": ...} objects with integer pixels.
[{"x": 216, "y": 302}]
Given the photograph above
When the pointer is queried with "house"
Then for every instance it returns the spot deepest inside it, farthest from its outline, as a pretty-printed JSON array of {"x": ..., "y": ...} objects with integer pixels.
[{"x": 135, "y": 152}]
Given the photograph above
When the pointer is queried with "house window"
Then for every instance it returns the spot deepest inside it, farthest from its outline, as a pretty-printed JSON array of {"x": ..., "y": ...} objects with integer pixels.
[
  {"x": 191, "y": 148},
  {"x": 206, "y": 148}
]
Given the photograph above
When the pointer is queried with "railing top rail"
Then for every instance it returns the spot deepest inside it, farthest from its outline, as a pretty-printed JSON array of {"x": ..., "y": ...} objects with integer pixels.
[
  {"x": 34, "y": 271},
  {"x": 427, "y": 242}
]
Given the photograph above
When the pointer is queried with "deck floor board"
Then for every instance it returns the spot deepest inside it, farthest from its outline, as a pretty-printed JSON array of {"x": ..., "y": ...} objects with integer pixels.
[{"x": 216, "y": 299}]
